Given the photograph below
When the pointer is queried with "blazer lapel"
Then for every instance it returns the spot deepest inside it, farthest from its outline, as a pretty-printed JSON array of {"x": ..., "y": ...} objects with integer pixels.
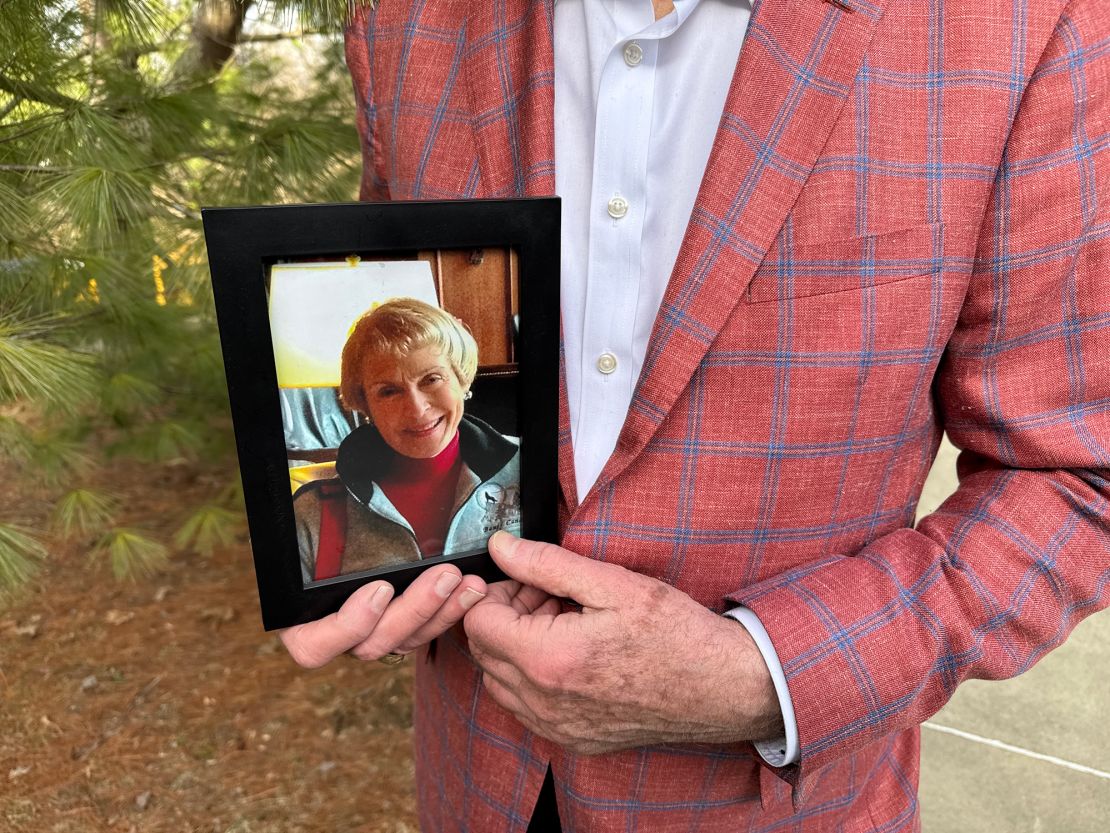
[
  {"x": 510, "y": 74},
  {"x": 794, "y": 74}
]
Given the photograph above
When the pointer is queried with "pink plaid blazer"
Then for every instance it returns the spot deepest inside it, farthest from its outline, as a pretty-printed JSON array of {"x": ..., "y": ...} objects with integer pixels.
[{"x": 904, "y": 228}]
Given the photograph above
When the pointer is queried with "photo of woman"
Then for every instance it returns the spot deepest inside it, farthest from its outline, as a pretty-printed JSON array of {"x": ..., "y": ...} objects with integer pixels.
[{"x": 418, "y": 477}]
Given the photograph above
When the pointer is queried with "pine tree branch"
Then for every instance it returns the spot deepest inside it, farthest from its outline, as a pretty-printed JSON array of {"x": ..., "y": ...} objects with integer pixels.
[
  {"x": 279, "y": 36},
  {"x": 171, "y": 40},
  {"x": 11, "y": 105},
  {"x": 34, "y": 92},
  {"x": 34, "y": 129},
  {"x": 152, "y": 48},
  {"x": 35, "y": 169}
]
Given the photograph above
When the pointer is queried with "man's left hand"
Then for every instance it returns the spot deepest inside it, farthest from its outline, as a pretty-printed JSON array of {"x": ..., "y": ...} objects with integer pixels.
[{"x": 641, "y": 663}]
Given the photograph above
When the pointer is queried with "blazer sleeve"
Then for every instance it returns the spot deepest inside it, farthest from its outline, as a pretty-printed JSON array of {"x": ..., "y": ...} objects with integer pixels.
[
  {"x": 876, "y": 642},
  {"x": 357, "y": 40}
]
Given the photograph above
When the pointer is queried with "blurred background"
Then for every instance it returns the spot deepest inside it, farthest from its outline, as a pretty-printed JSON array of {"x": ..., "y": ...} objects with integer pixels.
[
  {"x": 137, "y": 689},
  {"x": 120, "y": 119}
]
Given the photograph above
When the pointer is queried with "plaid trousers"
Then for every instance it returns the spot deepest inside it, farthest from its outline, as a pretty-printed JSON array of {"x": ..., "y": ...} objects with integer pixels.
[{"x": 904, "y": 229}]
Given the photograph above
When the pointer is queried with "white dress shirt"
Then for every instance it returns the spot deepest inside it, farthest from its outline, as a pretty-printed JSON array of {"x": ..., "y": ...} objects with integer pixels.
[{"x": 637, "y": 103}]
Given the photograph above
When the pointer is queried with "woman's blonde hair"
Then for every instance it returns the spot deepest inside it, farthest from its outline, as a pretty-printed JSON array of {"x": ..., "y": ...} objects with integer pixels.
[{"x": 397, "y": 328}]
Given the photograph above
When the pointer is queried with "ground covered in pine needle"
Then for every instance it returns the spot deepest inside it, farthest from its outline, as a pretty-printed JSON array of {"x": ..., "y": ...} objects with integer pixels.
[{"x": 162, "y": 705}]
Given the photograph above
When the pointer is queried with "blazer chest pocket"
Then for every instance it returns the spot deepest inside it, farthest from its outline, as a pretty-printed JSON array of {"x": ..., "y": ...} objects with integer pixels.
[{"x": 847, "y": 265}]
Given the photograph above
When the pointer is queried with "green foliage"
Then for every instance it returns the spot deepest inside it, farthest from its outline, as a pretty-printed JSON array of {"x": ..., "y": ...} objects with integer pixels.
[
  {"x": 131, "y": 554},
  {"x": 35, "y": 365},
  {"x": 57, "y": 457},
  {"x": 16, "y": 440},
  {"x": 119, "y": 119},
  {"x": 162, "y": 442},
  {"x": 138, "y": 18},
  {"x": 82, "y": 511},
  {"x": 316, "y": 14},
  {"x": 232, "y": 495},
  {"x": 126, "y": 395},
  {"x": 20, "y": 553},
  {"x": 209, "y": 527},
  {"x": 103, "y": 205}
]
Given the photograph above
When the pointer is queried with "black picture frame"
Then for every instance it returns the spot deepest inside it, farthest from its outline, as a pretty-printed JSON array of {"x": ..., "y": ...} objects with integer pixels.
[{"x": 243, "y": 242}]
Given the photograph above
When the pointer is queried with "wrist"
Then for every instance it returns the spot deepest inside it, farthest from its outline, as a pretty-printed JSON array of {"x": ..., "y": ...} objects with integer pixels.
[
  {"x": 724, "y": 693},
  {"x": 757, "y": 701},
  {"x": 782, "y": 748}
]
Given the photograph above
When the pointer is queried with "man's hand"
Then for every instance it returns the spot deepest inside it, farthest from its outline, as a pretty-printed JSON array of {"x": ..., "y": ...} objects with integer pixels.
[
  {"x": 642, "y": 663},
  {"x": 370, "y": 625}
]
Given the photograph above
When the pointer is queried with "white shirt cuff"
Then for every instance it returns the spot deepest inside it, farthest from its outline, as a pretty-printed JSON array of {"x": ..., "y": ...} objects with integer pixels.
[{"x": 778, "y": 751}]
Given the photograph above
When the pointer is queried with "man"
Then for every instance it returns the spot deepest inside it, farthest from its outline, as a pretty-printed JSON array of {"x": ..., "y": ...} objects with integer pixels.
[{"x": 901, "y": 229}]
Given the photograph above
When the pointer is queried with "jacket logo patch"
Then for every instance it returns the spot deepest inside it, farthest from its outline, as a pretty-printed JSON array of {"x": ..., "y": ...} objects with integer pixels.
[{"x": 500, "y": 507}]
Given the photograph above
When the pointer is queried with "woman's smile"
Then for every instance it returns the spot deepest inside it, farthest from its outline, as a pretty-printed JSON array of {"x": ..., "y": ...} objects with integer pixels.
[{"x": 425, "y": 429}]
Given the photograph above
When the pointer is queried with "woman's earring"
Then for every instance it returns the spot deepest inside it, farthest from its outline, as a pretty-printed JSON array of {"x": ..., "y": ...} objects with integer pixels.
[{"x": 468, "y": 395}]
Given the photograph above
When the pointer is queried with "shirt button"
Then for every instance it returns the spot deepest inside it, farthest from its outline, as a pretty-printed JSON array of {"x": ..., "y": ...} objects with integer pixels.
[
  {"x": 633, "y": 54},
  {"x": 618, "y": 207},
  {"x": 606, "y": 363}
]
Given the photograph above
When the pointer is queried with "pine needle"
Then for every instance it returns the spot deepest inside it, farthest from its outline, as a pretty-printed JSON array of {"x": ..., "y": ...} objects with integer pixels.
[
  {"x": 14, "y": 217},
  {"x": 55, "y": 458},
  {"x": 140, "y": 20},
  {"x": 125, "y": 394},
  {"x": 130, "y": 554},
  {"x": 16, "y": 440},
  {"x": 82, "y": 511},
  {"x": 103, "y": 203},
  {"x": 82, "y": 135},
  {"x": 20, "y": 554},
  {"x": 166, "y": 441},
  {"x": 34, "y": 367},
  {"x": 325, "y": 15},
  {"x": 206, "y": 529}
]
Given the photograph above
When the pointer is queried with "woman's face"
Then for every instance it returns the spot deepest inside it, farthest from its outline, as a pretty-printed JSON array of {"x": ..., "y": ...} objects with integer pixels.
[{"x": 415, "y": 401}]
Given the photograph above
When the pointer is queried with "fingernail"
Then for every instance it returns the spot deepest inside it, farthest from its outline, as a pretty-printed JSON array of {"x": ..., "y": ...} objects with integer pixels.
[
  {"x": 470, "y": 597},
  {"x": 381, "y": 598},
  {"x": 505, "y": 542},
  {"x": 446, "y": 583}
]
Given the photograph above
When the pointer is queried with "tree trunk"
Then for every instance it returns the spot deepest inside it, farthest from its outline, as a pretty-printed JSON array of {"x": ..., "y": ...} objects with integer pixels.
[{"x": 217, "y": 27}]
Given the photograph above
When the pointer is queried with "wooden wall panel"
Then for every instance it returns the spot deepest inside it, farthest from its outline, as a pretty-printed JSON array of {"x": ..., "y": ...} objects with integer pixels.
[{"x": 479, "y": 287}]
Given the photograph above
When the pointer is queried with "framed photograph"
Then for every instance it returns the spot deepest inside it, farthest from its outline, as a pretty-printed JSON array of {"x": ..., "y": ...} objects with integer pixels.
[{"x": 393, "y": 371}]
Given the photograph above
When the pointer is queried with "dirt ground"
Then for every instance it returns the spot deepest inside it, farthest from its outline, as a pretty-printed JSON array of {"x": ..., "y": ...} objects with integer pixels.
[{"x": 163, "y": 706}]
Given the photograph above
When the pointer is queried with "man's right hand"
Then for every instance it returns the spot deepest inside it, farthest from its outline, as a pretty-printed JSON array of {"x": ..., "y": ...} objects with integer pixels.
[{"x": 372, "y": 623}]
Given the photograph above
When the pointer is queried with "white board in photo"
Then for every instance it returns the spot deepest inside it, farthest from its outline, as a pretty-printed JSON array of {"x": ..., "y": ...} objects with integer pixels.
[{"x": 314, "y": 306}]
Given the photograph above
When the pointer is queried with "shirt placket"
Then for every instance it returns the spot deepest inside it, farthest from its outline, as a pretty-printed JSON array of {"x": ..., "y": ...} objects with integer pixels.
[{"x": 618, "y": 208}]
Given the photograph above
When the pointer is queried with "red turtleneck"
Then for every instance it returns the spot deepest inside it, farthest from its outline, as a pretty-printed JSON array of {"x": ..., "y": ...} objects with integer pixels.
[{"x": 423, "y": 491}]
